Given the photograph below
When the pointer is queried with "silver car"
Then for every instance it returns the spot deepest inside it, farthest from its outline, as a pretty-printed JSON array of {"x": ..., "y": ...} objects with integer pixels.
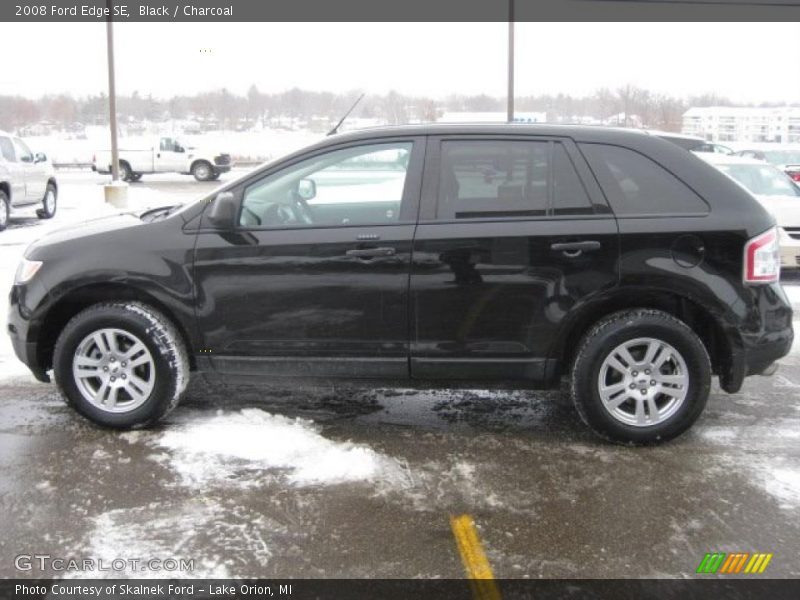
[{"x": 26, "y": 179}]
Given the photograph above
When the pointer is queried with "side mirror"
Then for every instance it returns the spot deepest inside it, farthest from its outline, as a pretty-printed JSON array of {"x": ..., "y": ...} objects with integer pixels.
[
  {"x": 179, "y": 148},
  {"x": 222, "y": 212},
  {"x": 40, "y": 157},
  {"x": 306, "y": 189}
]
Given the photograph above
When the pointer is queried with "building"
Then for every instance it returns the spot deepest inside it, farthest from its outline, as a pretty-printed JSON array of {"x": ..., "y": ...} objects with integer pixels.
[{"x": 737, "y": 124}]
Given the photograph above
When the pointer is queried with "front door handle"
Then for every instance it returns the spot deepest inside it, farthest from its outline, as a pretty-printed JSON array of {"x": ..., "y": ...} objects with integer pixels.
[
  {"x": 371, "y": 252},
  {"x": 573, "y": 249}
]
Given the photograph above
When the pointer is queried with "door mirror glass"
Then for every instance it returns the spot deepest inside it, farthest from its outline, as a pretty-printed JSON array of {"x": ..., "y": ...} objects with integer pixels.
[
  {"x": 306, "y": 189},
  {"x": 41, "y": 157},
  {"x": 222, "y": 213}
]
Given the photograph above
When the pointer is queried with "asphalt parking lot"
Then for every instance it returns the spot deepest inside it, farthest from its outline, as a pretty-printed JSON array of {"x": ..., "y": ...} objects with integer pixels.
[{"x": 337, "y": 482}]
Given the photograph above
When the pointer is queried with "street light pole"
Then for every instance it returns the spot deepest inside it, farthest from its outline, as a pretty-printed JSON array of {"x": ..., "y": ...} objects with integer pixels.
[
  {"x": 112, "y": 93},
  {"x": 116, "y": 193},
  {"x": 510, "y": 115}
]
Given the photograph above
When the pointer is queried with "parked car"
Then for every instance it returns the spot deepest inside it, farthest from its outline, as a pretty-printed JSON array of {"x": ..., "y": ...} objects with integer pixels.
[
  {"x": 691, "y": 142},
  {"x": 494, "y": 255},
  {"x": 776, "y": 191},
  {"x": 786, "y": 159},
  {"x": 164, "y": 155},
  {"x": 26, "y": 179}
]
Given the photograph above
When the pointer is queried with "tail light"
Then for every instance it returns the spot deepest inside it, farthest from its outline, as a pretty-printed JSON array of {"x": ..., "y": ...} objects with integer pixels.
[
  {"x": 795, "y": 175},
  {"x": 762, "y": 258},
  {"x": 94, "y": 158}
]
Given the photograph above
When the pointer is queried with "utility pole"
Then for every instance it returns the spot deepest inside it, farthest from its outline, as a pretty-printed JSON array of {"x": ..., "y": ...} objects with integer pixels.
[
  {"x": 116, "y": 193},
  {"x": 510, "y": 115}
]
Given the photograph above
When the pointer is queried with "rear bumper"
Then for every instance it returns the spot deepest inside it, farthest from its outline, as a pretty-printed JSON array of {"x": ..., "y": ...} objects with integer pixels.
[
  {"x": 765, "y": 336},
  {"x": 790, "y": 251}
]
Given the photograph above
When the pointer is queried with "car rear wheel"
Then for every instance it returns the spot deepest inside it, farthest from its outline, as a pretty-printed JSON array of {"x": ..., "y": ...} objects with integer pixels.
[
  {"x": 121, "y": 365},
  {"x": 4, "y": 210},
  {"x": 49, "y": 203},
  {"x": 125, "y": 172},
  {"x": 202, "y": 171},
  {"x": 641, "y": 376}
]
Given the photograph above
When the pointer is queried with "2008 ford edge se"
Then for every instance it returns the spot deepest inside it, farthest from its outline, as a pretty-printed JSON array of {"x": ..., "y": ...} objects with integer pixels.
[{"x": 497, "y": 255}]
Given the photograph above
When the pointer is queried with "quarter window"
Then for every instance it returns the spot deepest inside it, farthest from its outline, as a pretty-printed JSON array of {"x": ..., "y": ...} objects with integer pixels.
[
  {"x": 636, "y": 185},
  {"x": 499, "y": 178},
  {"x": 362, "y": 185}
]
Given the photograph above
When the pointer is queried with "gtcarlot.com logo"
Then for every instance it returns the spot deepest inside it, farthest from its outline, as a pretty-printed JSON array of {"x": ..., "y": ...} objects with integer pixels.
[
  {"x": 46, "y": 562},
  {"x": 734, "y": 562}
]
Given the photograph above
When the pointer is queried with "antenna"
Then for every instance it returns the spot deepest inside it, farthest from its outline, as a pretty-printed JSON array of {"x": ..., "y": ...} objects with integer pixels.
[{"x": 347, "y": 114}]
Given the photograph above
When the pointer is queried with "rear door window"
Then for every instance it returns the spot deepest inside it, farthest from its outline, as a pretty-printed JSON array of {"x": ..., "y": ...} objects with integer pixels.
[
  {"x": 481, "y": 179},
  {"x": 636, "y": 185},
  {"x": 7, "y": 149}
]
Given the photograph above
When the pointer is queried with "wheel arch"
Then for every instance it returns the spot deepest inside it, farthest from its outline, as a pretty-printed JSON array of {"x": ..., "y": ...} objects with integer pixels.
[
  {"x": 720, "y": 344},
  {"x": 5, "y": 187},
  {"x": 85, "y": 296},
  {"x": 200, "y": 160}
]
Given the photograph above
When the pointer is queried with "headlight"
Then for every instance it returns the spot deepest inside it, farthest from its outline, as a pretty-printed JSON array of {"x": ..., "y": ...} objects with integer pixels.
[{"x": 26, "y": 270}]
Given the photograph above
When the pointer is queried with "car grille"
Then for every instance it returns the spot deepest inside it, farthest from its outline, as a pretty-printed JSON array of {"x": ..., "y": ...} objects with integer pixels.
[
  {"x": 793, "y": 232},
  {"x": 222, "y": 159}
]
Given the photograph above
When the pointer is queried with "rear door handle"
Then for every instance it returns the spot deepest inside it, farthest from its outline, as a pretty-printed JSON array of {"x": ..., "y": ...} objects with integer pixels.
[
  {"x": 371, "y": 252},
  {"x": 575, "y": 248}
]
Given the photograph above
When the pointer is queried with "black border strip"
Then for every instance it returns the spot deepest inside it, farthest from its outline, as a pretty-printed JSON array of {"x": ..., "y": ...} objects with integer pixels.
[{"x": 402, "y": 10}]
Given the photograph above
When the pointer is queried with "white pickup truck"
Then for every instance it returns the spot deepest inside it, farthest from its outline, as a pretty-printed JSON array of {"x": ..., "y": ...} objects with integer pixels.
[{"x": 163, "y": 155}]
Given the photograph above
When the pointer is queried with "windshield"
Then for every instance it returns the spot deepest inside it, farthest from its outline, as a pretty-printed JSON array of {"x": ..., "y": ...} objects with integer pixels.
[
  {"x": 783, "y": 157},
  {"x": 762, "y": 180}
]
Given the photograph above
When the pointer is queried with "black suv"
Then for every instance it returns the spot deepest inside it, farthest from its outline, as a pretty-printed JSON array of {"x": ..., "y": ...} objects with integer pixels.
[{"x": 497, "y": 255}]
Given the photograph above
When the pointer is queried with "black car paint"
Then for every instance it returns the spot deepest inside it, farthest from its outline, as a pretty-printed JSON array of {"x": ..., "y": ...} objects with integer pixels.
[{"x": 489, "y": 300}]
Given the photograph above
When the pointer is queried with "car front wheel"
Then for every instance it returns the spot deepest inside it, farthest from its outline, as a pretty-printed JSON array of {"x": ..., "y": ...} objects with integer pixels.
[
  {"x": 640, "y": 376},
  {"x": 202, "y": 171},
  {"x": 121, "y": 365}
]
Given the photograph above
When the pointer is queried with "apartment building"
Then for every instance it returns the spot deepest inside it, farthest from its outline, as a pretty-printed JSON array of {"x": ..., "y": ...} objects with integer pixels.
[{"x": 737, "y": 124}]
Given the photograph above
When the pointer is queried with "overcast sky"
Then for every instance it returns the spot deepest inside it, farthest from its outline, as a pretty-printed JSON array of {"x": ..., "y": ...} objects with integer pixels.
[{"x": 748, "y": 62}]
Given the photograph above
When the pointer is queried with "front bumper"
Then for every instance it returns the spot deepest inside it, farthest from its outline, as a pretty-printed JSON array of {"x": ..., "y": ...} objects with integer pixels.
[{"x": 19, "y": 330}]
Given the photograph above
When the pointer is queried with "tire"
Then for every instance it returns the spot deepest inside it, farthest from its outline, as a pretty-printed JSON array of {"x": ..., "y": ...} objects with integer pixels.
[
  {"x": 673, "y": 393},
  {"x": 151, "y": 389},
  {"x": 136, "y": 176},
  {"x": 215, "y": 176},
  {"x": 202, "y": 170},
  {"x": 49, "y": 203},
  {"x": 5, "y": 210},
  {"x": 125, "y": 172}
]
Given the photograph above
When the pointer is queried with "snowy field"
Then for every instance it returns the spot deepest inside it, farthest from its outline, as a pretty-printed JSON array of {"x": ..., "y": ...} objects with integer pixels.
[{"x": 296, "y": 482}]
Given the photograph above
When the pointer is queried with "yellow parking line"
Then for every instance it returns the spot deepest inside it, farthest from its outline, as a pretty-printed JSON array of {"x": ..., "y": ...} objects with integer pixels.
[{"x": 477, "y": 566}]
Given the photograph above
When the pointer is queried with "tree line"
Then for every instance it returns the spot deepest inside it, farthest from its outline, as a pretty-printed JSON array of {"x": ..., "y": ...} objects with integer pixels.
[{"x": 222, "y": 109}]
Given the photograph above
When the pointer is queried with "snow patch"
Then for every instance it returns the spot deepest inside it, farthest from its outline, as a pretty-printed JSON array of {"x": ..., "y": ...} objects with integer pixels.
[
  {"x": 784, "y": 485},
  {"x": 238, "y": 447}
]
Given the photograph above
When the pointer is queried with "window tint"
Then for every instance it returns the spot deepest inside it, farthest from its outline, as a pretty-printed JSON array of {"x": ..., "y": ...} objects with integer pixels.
[
  {"x": 7, "y": 149},
  {"x": 484, "y": 179},
  {"x": 355, "y": 186},
  {"x": 569, "y": 195},
  {"x": 634, "y": 184}
]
